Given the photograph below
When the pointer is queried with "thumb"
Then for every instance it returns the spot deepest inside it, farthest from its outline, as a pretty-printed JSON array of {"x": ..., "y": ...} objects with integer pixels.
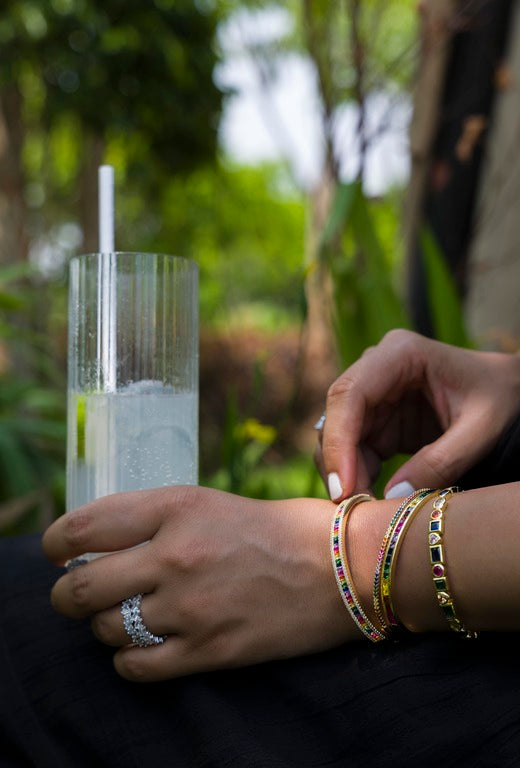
[{"x": 440, "y": 463}]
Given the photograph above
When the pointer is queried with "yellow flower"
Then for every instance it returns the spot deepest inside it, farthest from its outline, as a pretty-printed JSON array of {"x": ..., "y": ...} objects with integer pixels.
[{"x": 252, "y": 429}]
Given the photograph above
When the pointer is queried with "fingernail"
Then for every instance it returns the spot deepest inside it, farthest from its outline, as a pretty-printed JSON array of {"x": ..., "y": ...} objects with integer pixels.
[
  {"x": 335, "y": 489},
  {"x": 403, "y": 488}
]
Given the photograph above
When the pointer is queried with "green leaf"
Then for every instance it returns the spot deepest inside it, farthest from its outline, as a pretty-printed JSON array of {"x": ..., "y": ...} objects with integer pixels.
[
  {"x": 444, "y": 301},
  {"x": 366, "y": 305},
  {"x": 10, "y": 301},
  {"x": 344, "y": 199},
  {"x": 40, "y": 399},
  {"x": 382, "y": 308},
  {"x": 13, "y": 457},
  {"x": 41, "y": 428},
  {"x": 10, "y": 273}
]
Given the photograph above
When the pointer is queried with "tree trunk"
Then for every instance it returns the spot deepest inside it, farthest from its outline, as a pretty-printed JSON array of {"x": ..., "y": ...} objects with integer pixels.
[
  {"x": 13, "y": 211},
  {"x": 319, "y": 346},
  {"x": 492, "y": 305},
  {"x": 92, "y": 159},
  {"x": 436, "y": 35}
]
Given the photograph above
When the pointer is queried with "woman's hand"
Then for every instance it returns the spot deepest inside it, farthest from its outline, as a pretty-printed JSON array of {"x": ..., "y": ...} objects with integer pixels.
[
  {"x": 231, "y": 581},
  {"x": 446, "y": 406}
]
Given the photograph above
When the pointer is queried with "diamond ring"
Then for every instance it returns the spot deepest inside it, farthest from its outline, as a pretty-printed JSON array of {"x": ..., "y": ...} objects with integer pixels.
[{"x": 134, "y": 625}]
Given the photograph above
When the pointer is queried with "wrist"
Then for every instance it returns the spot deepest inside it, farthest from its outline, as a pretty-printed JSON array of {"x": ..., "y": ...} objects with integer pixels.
[
  {"x": 480, "y": 535},
  {"x": 412, "y": 589},
  {"x": 366, "y": 528}
]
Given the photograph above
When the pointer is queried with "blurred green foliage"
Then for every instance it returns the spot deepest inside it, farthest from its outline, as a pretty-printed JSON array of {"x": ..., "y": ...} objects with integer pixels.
[
  {"x": 131, "y": 83},
  {"x": 120, "y": 66},
  {"x": 32, "y": 413},
  {"x": 363, "y": 255},
  {"x": 363, "y": 268},
  {"x": 81, "y": 82},
  {"x": 244, "y": 227},
  {"x": 443, "y": 296}
]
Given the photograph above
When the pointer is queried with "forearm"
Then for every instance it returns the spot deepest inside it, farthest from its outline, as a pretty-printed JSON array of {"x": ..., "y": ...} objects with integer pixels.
[
  {"x": 481, "y": 539},
  {"x": 233, "y": 581}
]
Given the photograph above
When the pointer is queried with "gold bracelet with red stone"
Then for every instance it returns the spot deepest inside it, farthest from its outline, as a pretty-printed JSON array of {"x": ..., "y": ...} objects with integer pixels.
[
  {"x": 387, "y": 559},
  {"x": 342, "y": 570},
  {"x": 438, "y": 563}
]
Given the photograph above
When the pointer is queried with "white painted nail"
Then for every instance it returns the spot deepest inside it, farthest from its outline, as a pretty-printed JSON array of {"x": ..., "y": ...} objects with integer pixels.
[
  {"x": 400, "y": 490},
  {"x": 335, "y": 489}
]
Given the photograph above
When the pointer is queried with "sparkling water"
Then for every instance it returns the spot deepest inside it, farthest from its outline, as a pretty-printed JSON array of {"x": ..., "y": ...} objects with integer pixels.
[{"x": 143, "y": 436}]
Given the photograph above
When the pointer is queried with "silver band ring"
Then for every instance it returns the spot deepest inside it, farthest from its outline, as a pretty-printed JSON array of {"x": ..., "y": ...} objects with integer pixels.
[
  {"x": 76, "y": 562},
  {"x": 321, "y": 421},
  {"x": 134, "y": 625}
]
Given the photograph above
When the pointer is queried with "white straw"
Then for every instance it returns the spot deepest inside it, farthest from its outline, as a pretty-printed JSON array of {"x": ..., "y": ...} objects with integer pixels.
[
  {"x": 107, "y": 277},
  {"x": 106, "y": 208}
]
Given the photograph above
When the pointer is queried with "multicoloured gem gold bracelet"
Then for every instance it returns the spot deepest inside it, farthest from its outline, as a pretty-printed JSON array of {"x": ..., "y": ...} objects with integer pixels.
[
  {"x": 381, "y": 556},
  {"x": 438, "y": 563},
  {"x": 387, "y": 558},
  {"x": 342, "y": 570}
]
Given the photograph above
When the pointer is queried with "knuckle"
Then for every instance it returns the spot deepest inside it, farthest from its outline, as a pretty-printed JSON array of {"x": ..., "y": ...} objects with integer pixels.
[
  {"x": 368, "y": 351},
  {"x": 131, "y": 665},
  {"x": 402, "y": 342},
  {"x": 340, "y": 388},
  {"x": 185, "y": 497},
  {"x": 80, "y": 589},
  {"x": 77, "y": 529},
  {"x": 398, "y": 336},
  {"x": 191, "y": 497},
  {"x": 187, "y": 557},
  {"x": 435, "y": 460},
  {"x": 103, "y": 629}
]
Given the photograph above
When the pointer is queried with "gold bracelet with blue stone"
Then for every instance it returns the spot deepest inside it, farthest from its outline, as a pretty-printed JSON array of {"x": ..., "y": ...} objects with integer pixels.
[{"x": 438, "y": 563}]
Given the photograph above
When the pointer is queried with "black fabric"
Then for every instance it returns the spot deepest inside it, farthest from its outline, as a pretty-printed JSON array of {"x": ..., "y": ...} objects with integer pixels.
[
  {"x": 431, "y": 701},
  {"x": 501, "y": 466}
]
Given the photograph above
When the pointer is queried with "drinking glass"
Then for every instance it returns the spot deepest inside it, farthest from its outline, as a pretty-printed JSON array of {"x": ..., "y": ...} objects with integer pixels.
[{"x": 132, "y": 418}]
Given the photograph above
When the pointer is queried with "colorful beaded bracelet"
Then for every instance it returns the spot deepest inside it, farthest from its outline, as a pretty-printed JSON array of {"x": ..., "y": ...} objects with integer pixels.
[
  {"x": 342, "y": 571},
  {"x": 438, "y": 563},
  {"x": 387, "y": 558}
]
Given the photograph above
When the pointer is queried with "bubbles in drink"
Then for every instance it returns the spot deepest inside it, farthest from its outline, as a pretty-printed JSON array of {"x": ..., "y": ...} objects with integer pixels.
[{"x": 143, "y": 436}]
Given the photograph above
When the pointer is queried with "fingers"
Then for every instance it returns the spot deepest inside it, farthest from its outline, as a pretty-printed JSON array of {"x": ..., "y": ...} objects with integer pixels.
[
  {"x": 179, "y": 655},
  {"x": 444, "y": 461},
  {"x": 108, "y": 625},
  {"x": 110, "y": 524},
  {"x": 161, "y": 662},
  {"x": 341, "y": 437},
  {"x": 379, "y": 378},
  {"x": 187, "y": 649},
  {"x": 104, "y": 582},
  {"x": 176, "y": 657}
]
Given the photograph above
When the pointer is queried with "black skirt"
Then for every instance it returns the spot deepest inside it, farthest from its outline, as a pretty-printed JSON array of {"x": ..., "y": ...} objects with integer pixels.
[{"x": 431, "y": 701}]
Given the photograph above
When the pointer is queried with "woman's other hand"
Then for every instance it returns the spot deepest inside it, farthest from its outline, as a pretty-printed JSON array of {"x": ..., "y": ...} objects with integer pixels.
[
  {"x": 409, "y": 394},
  {"x": 231, "y": 581}
]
